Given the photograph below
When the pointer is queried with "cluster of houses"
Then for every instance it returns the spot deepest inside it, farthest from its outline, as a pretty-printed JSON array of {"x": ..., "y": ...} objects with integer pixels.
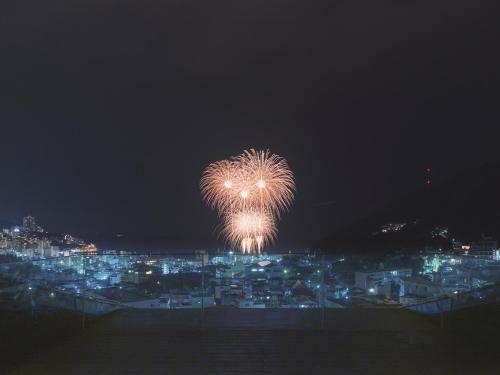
[{"x": 449, "y": 275}]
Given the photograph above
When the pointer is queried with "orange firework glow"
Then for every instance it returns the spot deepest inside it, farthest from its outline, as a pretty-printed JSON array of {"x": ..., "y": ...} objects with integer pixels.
[
  {"x": 218, "y": 184},
  {"x": 250, "y": 229},
  {"x": 249, "y": 192}
]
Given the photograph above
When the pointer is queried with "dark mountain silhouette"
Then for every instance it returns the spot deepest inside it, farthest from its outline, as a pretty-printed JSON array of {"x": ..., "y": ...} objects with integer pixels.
[{"x": 462, "y": 208}]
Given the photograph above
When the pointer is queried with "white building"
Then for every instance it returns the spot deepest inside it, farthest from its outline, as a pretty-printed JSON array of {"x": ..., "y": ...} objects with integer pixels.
[
  {"x": 420, "y": 287},
  {"x": 379, "y": 282},
  {"x": 29, "y": 224}
]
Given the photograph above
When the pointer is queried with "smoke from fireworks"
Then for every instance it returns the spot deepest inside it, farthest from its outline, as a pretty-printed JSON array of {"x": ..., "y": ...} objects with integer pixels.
[{"x": 249, "y": 192}]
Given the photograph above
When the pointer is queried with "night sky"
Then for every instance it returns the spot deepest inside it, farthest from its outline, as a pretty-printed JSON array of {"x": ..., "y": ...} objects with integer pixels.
[{"x": 109, "y": 110}]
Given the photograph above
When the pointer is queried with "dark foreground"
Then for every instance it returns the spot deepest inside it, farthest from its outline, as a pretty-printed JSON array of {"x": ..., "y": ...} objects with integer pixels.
[{"x": 255, "y": 342}]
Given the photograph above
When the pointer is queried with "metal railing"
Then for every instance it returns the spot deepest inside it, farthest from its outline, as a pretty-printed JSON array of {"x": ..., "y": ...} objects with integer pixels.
[{"x": 99, "y": 284}]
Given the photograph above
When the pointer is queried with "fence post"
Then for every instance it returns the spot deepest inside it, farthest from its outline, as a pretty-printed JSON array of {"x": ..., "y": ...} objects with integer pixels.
[
  {"x": 323, "y": 291},
  {"x": 441, "y": 309},
  {"x": 84, "y": 286},
  {"x": 32, "y": 302},
  {"x": 83, "y": 310},
  {"x": 202, "y": 289}
]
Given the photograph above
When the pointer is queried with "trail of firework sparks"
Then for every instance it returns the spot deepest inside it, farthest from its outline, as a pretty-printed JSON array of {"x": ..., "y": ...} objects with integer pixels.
[{"x": 249, "y": 192}]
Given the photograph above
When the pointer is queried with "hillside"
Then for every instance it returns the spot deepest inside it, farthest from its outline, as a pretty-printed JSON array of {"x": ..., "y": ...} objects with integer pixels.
[{"x": 461, "y": 208}]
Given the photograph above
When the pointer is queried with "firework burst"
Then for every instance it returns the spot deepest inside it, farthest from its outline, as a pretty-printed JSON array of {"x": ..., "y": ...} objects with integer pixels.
[
  {"x": 268, "y": 179},
  {"x": 249, "y": 192},
  {"x": 249, "y": 229},
  {"x": 218, "y": 185}
]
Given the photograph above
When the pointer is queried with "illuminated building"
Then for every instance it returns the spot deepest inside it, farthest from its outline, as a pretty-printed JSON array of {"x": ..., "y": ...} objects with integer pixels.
[
  {"x": 29, "y": 224},
  {"x": 380, "y": 281},
  {"x": 483, "y": 247},
  {"x": 420, "y": 287},
  {"x": 15, "y": 230},
  {"x": 89, "y": 249}
]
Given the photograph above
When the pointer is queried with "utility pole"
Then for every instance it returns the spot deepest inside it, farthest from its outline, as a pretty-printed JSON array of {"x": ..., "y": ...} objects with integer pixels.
[
  {"x": 323, "y": 290},
  {"x": 84, "y": 285},
  {"x": 202, "y": 253},
  {"x": 32, "y": 301}
]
